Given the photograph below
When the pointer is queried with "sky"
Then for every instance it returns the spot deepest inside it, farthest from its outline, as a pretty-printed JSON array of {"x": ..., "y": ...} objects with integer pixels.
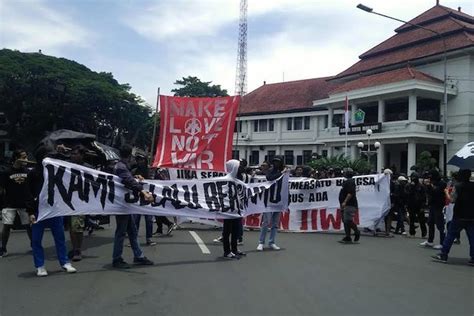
[{"x": 151, "y": 44}]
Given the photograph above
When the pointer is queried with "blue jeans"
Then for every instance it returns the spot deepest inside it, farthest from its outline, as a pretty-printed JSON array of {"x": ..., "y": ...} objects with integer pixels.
[
  {"x": 125, "y": 225},
  {"x": 57, "y": 229},
  {"x": 274, "y": 218},
  {"x": 148, "y": 224},
  {"x": 454, "y": 229}
]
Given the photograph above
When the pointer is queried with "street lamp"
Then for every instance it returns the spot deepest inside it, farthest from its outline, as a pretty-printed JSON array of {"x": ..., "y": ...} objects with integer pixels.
[
  {"x": 445, "y": 94},
  {"x": 369, "y": 153}
]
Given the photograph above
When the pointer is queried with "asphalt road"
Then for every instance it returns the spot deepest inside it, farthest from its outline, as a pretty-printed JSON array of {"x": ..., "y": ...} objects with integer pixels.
[{"x": 311, "y": 275}]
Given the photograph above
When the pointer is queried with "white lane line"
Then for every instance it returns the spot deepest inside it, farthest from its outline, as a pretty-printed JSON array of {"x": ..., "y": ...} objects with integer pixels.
[{"x": 200, "y": 243}]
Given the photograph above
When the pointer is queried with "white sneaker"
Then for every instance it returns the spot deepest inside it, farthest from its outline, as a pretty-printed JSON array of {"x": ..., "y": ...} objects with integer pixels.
[
  {"x": 438, "y": 247},
  {"x": 427, "y": 244},
  {"x": 274, "y": 247},
  {"x": 41, "y": 272},
  {"x": 69, "y": 268},
  {"x": 260, "y": 247}
]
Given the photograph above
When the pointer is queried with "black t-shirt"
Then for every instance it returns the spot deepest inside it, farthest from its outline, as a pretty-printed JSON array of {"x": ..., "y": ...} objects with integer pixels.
[
  {"x": 15, "y": 183},
  {"x": 348, "y": 186},
  {"x": 437, "y": 195}
]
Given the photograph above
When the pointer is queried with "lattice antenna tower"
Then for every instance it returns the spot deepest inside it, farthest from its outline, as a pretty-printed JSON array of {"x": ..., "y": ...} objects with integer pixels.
[{"x": 241, "y": 72}]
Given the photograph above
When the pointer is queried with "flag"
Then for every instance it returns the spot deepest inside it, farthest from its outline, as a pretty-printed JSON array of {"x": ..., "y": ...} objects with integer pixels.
[
  {"x": 196, "y": 133},
  {"x": 346, "y": 114}
]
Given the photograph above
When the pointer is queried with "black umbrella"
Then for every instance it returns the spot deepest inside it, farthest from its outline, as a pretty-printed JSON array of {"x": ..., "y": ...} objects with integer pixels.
[{"x": 464, "y": 158}]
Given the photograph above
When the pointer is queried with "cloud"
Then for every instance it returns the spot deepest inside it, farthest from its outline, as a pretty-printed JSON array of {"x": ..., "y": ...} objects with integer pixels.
[{"x": 33, "y": 25}]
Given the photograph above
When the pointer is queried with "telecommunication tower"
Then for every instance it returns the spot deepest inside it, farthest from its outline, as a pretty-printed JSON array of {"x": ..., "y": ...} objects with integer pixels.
[{"x": 241, "y": 72}]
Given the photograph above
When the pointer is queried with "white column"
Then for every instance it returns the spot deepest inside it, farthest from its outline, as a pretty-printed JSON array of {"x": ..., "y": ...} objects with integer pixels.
[
  {"x": 353, "y": 152},
  {"x": 380, "y": 158},
  {"x": 315, "y": 122},
  {"x": 441, "y": 157},
  {"x": 330, "y": 151},
  {"x": 412, "y": 108},
  {"x": 411, "y": 155},
  {"x": 330, "y": 117},
  {"x": 278, "y": 127},
  {"x": 381, "y": 113},
  {"x": 353, "y": 110}
]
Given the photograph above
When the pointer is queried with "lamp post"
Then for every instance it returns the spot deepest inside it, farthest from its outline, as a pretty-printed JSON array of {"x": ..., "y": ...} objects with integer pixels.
[
  {"x": 369, "y": 153},
  {"x": 445, "y": 94}
]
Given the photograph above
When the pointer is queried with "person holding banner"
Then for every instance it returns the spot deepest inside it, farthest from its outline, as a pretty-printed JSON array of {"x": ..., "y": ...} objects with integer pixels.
[
  {"x": 55, "y": 224},
  {"x": 271, "y": 217},
  {"x": 232, "y": 226},
  {"x": 125, "y": 223},
  {"x": 349, "y": 205}
]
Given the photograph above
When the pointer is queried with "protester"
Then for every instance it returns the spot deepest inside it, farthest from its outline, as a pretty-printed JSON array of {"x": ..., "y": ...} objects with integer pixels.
[
  {"x": 125, "y": 223},
  {"x": 271, "y": 217},
  {"x": 463, "y": 216},
  {"x": 399, "y": 202},
  {"x": 436, "y": 204},
  {"x": 14, "y": 182},
  {"x": 77, "y": 222},
  {"x": 55, "y": 224},
  {"x": 264, "y": 168},
  {"x": 298, "y": 171},
  {"x": 162, "y": 174},
  {"x": 390, "y": 214},
  {"x": 416, "y": 198},
  {"x": 141, "y": 172},
  {"x": 232, "y": 225},
  {"x": 349, "y": 205}
]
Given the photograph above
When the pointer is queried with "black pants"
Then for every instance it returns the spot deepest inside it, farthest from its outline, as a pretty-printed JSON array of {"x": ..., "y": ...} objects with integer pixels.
[
  {"x": 436, "y": 218},
  {"x": 417, "y": 214},
  {"x": 231, "y": 228},
  {"x": 160, "y": 220}
]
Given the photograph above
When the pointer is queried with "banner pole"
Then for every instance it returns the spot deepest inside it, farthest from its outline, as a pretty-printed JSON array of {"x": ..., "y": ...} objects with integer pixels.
[{"x": 153, "y": 138}]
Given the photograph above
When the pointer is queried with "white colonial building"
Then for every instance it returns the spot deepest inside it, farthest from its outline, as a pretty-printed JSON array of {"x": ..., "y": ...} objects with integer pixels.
[{"x": 398, "y": 84}]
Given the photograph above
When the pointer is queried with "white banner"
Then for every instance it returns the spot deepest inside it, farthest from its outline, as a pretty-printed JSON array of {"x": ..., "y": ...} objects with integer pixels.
[
  {"x": 71, "y": 189},
  {"x": 314, "y": 204}
]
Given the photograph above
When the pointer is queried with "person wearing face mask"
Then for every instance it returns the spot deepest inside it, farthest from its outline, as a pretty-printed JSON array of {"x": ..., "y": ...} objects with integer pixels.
[{"x": 14, "y": 183}]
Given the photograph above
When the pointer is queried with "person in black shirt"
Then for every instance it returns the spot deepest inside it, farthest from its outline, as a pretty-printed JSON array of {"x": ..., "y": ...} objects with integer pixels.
[
  {"x": 415, "y": 197},
  {"x": 125, "y": 223},
  {"x": 437, "y": 200},
  {"x": 349, "y": 205},
  {"x": 463, "y": 216},
  {"x": 17, "y": 195}
]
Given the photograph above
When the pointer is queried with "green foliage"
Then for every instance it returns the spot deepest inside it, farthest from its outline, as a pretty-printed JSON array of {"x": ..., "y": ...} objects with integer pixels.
[
  {"x": 359, "y": 165},
  {"x": 194, "y": 87},
  {"x": 425, "y": 162},
  {"x": 42, "y": 93}
]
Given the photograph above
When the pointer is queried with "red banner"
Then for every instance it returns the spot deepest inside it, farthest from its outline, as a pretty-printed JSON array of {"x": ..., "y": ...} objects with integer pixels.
[{"x": 196, "y": 133}]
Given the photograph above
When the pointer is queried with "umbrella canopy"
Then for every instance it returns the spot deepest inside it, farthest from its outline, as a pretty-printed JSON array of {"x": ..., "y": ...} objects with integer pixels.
[{"x": 464, "y": 158}]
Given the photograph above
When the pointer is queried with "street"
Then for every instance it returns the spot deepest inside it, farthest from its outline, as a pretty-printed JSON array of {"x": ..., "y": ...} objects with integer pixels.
[{"x": 312, "y": 275}]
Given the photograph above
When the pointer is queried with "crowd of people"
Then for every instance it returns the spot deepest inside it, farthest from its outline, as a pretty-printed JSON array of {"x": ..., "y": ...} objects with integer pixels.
[{"x": 411, "y": 198}]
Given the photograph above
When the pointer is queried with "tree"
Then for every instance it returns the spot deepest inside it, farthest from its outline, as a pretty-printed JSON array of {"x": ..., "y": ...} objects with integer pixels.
[
  {"x": 359, "y": 165},
  {"x": 425, "y": 162},
  {"x": 42, "y": 93},
  {"x": 194, "y": 87}
]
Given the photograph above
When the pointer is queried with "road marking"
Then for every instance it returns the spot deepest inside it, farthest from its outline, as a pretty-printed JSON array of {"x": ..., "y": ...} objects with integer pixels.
[{"x": 200, "y": 243}]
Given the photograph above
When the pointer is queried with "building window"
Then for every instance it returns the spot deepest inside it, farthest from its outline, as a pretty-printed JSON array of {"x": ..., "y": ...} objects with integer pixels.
[
  {"x": 254, "y": 157},
  {"x": 325, "y": 121},
  {"x": 270, "y": 155},
  {"x": 238, "y": 127},
  {"x": 307, "y": 155},
  {"x": 298, "y": 123},
  {"x": 289, "y": 158},
  {"x": 396, "y": 110},
  {"x": 324, "y": 153},
  {"x": 299, "y": 160},
  {"x": 307, "y": 122},
  {"x": 235, "y": 154},
  {"x": 270, "y": 125},
  {"x": 338, "y": 120},
  {"x": 428, "y": 110},
  {"x": 266, "y": 125}
]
